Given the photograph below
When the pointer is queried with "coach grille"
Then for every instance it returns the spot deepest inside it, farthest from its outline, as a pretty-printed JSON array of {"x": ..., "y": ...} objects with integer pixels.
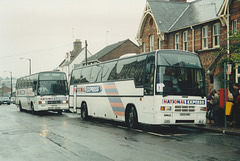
[
  {"x": 184, "y": 108},
  {"x": 54, "y": 102}
]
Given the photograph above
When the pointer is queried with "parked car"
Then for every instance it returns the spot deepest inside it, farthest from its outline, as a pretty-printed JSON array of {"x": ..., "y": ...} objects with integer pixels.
[{"x": 5, "y": 100}]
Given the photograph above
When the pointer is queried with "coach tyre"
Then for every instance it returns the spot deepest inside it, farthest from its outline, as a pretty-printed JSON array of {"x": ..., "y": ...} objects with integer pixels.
[
  {"x": 131, "y": 119},
  {"x": 32, "y": 107},
  {"x": 20, "y": 106},
  {"x": 84, "y": 111}
]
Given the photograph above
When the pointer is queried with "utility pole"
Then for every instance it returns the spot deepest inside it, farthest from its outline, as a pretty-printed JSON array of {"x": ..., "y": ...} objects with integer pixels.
[{"x": 86, "y": 51}]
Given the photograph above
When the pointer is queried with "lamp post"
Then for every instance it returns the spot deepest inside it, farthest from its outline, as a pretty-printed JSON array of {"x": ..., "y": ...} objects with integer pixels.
[
  {"x": 11, "y": 82},
  {"x": 29, "y": 64}
]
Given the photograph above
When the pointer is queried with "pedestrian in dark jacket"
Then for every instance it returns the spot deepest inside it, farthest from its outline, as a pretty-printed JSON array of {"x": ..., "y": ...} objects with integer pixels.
[
  {"x": 235, "y": 106},
  {"x": 237, "y": 111},
  {"x": 210, "y": 106},
  {"x": 218, "y": 112}
]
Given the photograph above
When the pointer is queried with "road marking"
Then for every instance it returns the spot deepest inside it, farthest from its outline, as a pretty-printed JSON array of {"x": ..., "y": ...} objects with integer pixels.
[
  {"x": 122, "y": 127},
  {"x": 179, "y": 134},
  {"x": 138, "y": 130},
  {"x": 158, "y": 134}
]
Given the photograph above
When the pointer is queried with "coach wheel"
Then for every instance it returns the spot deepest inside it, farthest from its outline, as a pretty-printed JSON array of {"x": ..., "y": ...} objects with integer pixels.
[
  {"x": 131, "y": 118},
  {"x": 60, "y": 112},
  {"x": 20, "y": 107},
  {"x": 84, "y": 111},
  {"x": 32, "y": 107}
]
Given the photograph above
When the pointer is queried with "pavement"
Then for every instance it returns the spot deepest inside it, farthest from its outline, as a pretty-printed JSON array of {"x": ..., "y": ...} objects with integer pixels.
[{"x": 230, "y": 130}]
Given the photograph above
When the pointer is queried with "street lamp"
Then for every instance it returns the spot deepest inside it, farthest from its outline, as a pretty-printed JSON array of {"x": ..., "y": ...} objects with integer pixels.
[
  {"x": 29, "y": 64},
  {"x": 11, "y": 82}
]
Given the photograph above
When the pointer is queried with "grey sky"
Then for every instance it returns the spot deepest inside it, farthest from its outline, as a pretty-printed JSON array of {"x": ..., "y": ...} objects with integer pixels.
[{"x": 42, "y": 30}]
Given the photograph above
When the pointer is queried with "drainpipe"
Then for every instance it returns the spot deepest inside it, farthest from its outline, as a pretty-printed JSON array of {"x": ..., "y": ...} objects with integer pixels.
[
  {"x": 228, "y": 41},
  {"x": 193, "y": 38}
]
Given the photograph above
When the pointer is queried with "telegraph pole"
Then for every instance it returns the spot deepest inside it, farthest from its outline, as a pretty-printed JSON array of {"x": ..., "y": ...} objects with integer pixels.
[{"x": 86, "y": 51}]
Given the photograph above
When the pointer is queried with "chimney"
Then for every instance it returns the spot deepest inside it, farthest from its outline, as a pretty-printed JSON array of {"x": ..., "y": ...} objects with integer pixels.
[{"x": 77, "y": 45}]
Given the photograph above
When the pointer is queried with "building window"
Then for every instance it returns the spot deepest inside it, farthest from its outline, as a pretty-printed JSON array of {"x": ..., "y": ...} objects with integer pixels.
[
  {"x": 185, "y": 41},
  {"x": 205, "y": 37},
  {"x": 151, "y": 43},
  {"x": 159, "y": 44},
  {"x": 177, "y": 41},
  {"x": 216, "y": 35},
  {"x": 234, "y": 26},
  {"x": 144, "y": 47}
]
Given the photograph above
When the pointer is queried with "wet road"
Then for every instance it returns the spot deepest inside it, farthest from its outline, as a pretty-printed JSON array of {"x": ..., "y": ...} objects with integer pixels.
[{"x": 48, "y": 136}]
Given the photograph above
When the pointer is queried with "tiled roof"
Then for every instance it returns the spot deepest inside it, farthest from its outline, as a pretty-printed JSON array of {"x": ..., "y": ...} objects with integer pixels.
[
  {"x": 171, "y": 16},
  {"x": 105, "y": 51}
]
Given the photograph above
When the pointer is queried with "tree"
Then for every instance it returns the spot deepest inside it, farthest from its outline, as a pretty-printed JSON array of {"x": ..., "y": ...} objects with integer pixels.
[
  {"x": 233, "y": 57},
  {"x": 234, "y": 48}
]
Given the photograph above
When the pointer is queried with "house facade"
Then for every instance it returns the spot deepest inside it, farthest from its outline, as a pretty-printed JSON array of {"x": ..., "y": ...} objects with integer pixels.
[
  {"x": 73, "y": 58},
  {"x": 201, "y": 26}
]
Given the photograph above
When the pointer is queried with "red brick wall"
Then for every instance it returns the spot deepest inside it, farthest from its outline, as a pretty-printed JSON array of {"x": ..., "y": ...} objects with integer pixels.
[
  {"x": 207, "y": 56},
  {"x": 127, "y": 47},
  {"x": 148, "y": 30}
]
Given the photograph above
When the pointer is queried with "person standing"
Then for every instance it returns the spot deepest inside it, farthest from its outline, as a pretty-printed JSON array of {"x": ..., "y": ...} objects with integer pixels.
[
  {"x": 217, "y": 111},
  {"x": 210, "y": 106},
  {"x": 237, "y": 111},
  {"x": 235, "y": 102}
]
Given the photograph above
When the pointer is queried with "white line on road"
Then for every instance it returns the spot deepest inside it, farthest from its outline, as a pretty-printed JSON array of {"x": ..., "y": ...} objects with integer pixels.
[{"x": 157, "y": 134}]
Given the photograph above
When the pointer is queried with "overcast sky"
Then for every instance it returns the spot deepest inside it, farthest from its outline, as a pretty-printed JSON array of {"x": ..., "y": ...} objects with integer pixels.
[{"x": 44, "y": 30}]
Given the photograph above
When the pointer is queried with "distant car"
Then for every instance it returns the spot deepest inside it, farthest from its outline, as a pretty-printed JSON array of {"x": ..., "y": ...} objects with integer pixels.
[{"x": 5, "y": 100}]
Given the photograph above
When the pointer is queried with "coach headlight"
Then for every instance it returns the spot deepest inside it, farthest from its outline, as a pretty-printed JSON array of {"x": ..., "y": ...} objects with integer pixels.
[
  {"x": 65, "y": 101},
  {"x": 42, "y": 102}
]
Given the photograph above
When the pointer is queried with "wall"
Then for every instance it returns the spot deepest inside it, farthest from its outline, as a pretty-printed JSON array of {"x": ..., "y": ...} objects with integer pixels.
[{"x": 127, "y": 47}]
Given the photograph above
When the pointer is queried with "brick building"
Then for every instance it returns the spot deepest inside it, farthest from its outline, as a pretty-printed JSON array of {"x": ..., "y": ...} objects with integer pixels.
[
  {"x": 201, "y": 26},
  {"x": 113, "y": 51}
]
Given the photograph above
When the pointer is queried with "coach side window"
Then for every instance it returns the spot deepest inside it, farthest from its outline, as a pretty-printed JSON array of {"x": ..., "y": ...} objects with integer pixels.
[
  {"x": 140, "y": 69},
  {"x": 85, "y": 76},
  {"x": 75, "y": 76},
  {"x": 109, "y": 71},
  {"x": 96, "y": 73},
  {"x": 126, "y": 68}
]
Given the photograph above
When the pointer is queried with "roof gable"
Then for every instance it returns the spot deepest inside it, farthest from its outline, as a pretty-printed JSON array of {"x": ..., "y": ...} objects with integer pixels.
[{"x": 166, "y": 13}]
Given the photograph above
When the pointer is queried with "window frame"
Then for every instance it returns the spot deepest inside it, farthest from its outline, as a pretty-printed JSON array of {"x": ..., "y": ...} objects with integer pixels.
[
  {"x": 177, "y": 41},
  {"x": 234, "y": 26},
  {"x": 144, "y": 47},
  {"x": 216, "y": 35},
  {"x": 205, "y": 37},
  {"x": 185, "y": 41},
  {"x": 151, "y": 43}
]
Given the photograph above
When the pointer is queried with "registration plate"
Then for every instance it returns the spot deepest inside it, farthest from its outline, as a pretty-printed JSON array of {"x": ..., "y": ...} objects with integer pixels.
[{"x": 184, "y": 114}]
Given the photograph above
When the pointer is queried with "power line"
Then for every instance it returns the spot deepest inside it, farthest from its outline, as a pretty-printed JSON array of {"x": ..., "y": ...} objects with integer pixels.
[{"x": 33, "y": 52}]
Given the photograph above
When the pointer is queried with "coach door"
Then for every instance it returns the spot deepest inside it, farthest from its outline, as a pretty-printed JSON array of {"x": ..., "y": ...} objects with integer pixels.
[{"x": 149, "y": 84}]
